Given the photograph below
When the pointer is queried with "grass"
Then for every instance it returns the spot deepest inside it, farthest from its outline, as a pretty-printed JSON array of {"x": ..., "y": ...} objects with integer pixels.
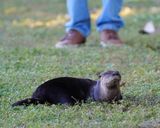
[{"x": 28, "y": 58}]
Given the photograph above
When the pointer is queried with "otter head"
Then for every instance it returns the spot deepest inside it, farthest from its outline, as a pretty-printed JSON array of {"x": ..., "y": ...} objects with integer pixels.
[
  {"x": 109, "y": 86},
  {"x": 110, "y": 79}
]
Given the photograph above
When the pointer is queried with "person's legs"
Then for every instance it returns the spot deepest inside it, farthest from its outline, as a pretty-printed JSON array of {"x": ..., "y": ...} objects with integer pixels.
[
  {"x": 110, "y": 22},
  {"x": 79, "y": 16},
  {"x": 110, "y": 19},
  {"x": 78, "y": 28}
]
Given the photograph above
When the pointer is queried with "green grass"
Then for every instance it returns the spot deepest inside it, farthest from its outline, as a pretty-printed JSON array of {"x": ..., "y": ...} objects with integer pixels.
[{"x": 28, "y": 58}]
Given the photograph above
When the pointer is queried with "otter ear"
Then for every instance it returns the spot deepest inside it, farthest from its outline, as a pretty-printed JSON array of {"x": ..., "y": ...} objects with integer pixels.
[{"x": 99, "y": 74}]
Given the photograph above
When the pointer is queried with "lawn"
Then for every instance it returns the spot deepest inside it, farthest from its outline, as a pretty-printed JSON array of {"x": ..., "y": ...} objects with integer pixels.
[{"x": 28, "y": 32}]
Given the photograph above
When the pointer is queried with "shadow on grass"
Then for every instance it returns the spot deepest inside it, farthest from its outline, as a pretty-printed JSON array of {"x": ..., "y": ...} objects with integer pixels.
[{"x": 144, "y": 100}]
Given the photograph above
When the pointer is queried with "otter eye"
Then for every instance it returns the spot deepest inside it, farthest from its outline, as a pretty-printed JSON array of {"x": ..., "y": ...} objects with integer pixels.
[{"x": 116, "y": 73}]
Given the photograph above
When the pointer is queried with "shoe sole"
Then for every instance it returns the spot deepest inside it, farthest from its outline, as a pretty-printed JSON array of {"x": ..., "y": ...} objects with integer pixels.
[
  {"x": 58, "y": 45},
  {"x": 109, "y": 44}
]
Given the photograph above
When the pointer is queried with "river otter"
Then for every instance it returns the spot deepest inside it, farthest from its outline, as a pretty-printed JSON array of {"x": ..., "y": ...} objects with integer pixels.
[{"x": 69, "y": 90}]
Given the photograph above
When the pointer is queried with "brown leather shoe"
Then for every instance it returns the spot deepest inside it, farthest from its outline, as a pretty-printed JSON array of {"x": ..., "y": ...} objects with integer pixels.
[
  {"x": 110, "y": 38},
  {"x": 73, "y": 38}
]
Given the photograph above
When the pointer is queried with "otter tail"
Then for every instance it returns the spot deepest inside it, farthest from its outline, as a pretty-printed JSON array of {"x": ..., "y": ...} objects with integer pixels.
[{"x": 28, "y": 101}]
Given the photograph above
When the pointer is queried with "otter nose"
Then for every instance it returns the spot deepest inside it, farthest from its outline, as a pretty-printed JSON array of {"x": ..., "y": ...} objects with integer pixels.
[{"x": 116, "y": 73}]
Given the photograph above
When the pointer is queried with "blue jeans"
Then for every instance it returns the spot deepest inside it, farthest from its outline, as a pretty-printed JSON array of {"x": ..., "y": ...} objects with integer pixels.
[{"x": 80, "y": 17}]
